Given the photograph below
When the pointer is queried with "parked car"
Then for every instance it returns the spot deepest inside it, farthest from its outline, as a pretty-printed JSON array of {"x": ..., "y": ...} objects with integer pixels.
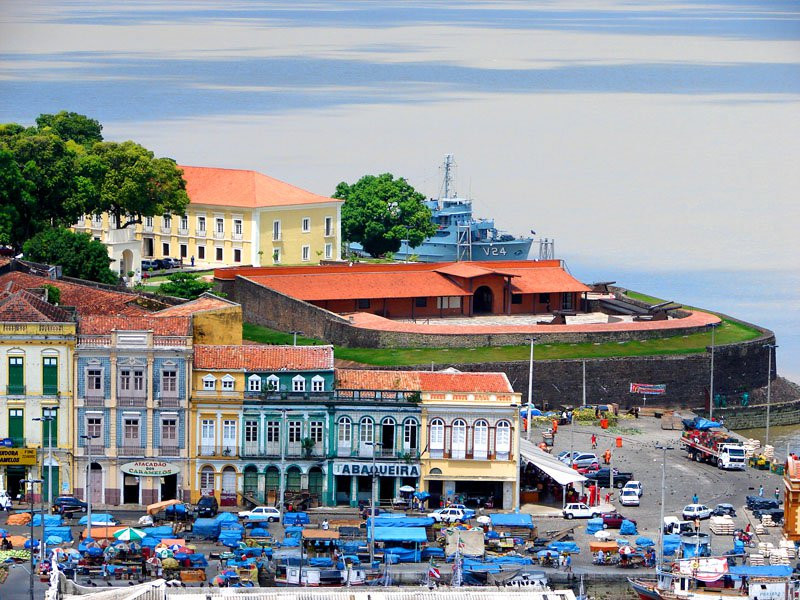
[
  {"x": 449, "y": 515},
  {"x": 261, "y": 513},
  {"x": 634, "y": 485},
  {"x": 696, "y": 511},
  {"x": 613, "y": 520},
  {"x": 68, "y": 505},
  {"x": 578, "y": 510},
  {"x": 584, "y": 459},
  {"x": 629, "y": 497},
  {"x": 170, "y": 263},
  {"x": 207, "y": 506},
  {"x": 566, "y": 455},
  {"x": 722, "y": 510},
  {"x": 150, "y": 265},
  {"x": 467, "y": 511},
  {"x": 602, "y": 477},
  {"x": 672, "y": 525}
]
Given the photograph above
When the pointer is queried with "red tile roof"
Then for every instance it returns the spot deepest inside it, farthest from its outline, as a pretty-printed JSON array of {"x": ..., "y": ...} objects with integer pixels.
[
  {"x": 23, "y": 307},
  {"x": 263, "y": 358},
  {"x": 423, "y": 381},
  {"x": 463, "y": 270},
  {"x": 203, "y": 303},
  {"x": 246, "y": 189},
  {"x": 86, "y": 299},
  {"x": 102, "y": 324}
]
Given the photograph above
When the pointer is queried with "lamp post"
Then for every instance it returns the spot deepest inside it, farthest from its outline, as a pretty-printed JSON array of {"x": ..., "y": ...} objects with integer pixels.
[
  {"x": 30, "y": 483},
  {"x": 770, "y": 349},
  {"x": 372, "y": 503},
  {"x": 89, "y": 439},
  {"x": 294, "y": 336},
  {"x": 282, "y": 479},
  {"x": 49, "y": 419},
  {"x": 532, "y": 340},
  {"x": 663, "y": 487},
  {"x": 713, "y": 327}
]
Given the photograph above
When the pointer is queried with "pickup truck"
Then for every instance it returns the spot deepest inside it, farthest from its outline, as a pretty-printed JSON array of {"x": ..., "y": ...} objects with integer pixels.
[{"x": 602, "y": 478}]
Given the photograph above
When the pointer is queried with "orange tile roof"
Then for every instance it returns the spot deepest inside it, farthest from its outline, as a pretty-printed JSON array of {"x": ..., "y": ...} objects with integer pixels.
[
  {"x": 424, "y": 381},
  {"x": 542, "y": 281},
  {"x": 246, "y": 189},
  {"x": 86, "y": 299},
  {"x": 203, "y": 303},
  {"x": 102, "y": 324},
  {"x": 263, "y": 358},
  {"x": 464, "y": 270},
  {"x": 23, "y": 307}
]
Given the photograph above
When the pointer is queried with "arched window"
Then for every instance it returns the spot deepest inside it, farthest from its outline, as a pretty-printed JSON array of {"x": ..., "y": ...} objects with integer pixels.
[
  {"x": 293, "y": 479},
  {"x": 436, "y": 442},
  {"x": 254, "y": 383},
  {"x": 480, "y": 440},
  {"x": 410, "y": 435},
  {"x": 206, "y": 480},
  {"x": 298, "y": 383},
  {"x": 273, "y": 383},
  {"x": 209, "y": 382},
  {"x": 345, "y": 436},
  {"x": 502, "y": 445},
  {"x": 272, "y": 481},
  {"x": 228, "y": 383},
  {"x": 459, "y": 445},
  {"x": 317, "y": 383},
  {"x": 366, "y": 436}
]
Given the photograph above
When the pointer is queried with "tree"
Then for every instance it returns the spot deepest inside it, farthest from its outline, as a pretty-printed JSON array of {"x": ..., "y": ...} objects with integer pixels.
[
  {"x": 135, "y": 184},
  {"x": 53, "y": 293},
  {"x": 381, "y": 211},
  {"x": 78, "y": 254},
  {"x": 72, "y": 126},
  {"x": 184, "y": 285}
]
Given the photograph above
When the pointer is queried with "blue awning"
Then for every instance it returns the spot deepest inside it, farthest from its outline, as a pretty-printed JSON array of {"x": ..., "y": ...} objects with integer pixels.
[
  {"x": 399, "y": 534},
  {"x": 511, "y": 520},
  {"x": 761, "y": 571},
  {"x": 401, "y": 521}
]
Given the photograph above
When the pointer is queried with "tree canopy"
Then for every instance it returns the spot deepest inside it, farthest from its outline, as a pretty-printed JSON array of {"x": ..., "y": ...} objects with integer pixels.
[
  {"x": 380, "y": 211},
  {"x": 72, "y": 126},
  {"x": 184, "y": 285},
  {"x": 78, "y": 254}
]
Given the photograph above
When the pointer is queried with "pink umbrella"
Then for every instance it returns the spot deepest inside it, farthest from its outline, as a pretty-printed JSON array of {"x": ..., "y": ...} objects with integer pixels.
[{"x": 626, "y": 550}]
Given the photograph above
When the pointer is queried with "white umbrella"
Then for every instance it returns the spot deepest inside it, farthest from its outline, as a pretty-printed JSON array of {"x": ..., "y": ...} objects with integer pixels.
[
  {"x": 129, "y": 534},
  {"x": 484, "y": 519},
  {"x": 407, "y": 489},
  {"x": 625, "y": 550}
]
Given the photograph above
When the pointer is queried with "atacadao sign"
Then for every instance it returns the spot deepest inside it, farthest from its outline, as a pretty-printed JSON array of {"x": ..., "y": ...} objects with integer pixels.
[
  {"x": 17, "y": 456},
  {"x": 149, "y": 468},
  {"x": 382, "y": 469}
]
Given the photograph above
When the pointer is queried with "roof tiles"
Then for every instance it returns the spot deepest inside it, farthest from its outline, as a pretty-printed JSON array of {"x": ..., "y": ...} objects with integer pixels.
[
  {"x": 103, "y": 324},
  {"x": 423, "y": 381},
  {"x": 23, "y": 307},
  {"x": 263, "y": 358}
]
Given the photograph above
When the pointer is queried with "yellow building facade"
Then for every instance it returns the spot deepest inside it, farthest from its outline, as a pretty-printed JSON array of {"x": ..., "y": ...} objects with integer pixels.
[{"x": 235, "y": 217}]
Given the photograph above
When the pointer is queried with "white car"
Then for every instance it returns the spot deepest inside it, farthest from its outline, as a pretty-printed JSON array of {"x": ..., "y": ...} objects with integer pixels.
[
  {"x": 578, "y": 510},
  {"x": 449, "y": 515},
  {"x": 695, "y": 511},
  {"x": 629, "y": 497},
  {"x": 634, "y": 485},
  {"x": 261, "y": 513}
]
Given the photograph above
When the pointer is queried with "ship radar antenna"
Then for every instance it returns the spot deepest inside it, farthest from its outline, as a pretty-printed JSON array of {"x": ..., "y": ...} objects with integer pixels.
[{"x": 448, "y": 187}]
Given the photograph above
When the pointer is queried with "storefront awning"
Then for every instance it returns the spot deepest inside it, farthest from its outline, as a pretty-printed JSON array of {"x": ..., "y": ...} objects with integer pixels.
[{"x": 552, "y": 467}]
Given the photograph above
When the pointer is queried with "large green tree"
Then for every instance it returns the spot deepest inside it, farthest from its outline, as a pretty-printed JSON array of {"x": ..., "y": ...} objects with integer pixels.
[
  {"x": 78, "y": 254},
  {"x": 185, "y": 285},
  {"x": 72, "y": 126},
  {"x": 380, "y": 211}
]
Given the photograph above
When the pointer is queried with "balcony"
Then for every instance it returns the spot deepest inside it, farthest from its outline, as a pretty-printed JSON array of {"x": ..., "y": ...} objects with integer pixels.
[
  {"x": 132, "y": 401},
  {"x": 237, "y": 237},
  {"x": 131, "y": 449},
  {"x": 169, "y": 402},
  {"x": 225, "y": 450},
  {"x": 50, "y": 390},
  {"x": 96, "y": 401},
  {"x": 169, "y": 451},
  {"x": 378, "y": 396},
  {"x": 96, "y": 448},
  {"x": 219, "y": 235},
  {"x": 147, "y": 228},
  {"x": 184, "y": 231},
  {"x": 201, "y": 232},
  {"x": 14, "y": 389},
  {"x": 166, "y": 230},
  {"x": 274, "y": 396}
]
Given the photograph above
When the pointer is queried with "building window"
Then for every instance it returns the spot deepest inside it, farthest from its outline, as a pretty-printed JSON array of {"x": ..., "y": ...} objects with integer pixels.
[
  {"x": 366, "y": 431},
  {"x": 165, "y": 249},
  {"x": 209, "y": 382},
  {"x": 94, "y": 382},
  {"x": 16, "y": 375},
  {"x": 207, "y": 480},
  {"x": 228, "y": 436},
  {"x": 251, "y": 433},
  {"x": 169, "y": 432},
  {"x": 362, "y": 303},
  {"x": 306, "y": 224},
  {"x": 237, "y": 226},
  {"x": 184, "y": 222},
  {"x": 148, "y": 222},
  {"x": 273, "y": 432},
  {"x": 50, "y": 428},
  {"x": 184, "y": 249},
  {"x": 459, "y": 444},
  {"x": 254, "y": 383},
  {"x": 410, "y": 430},
  {"x": 345, "y": 432},
  {"x": 201, "y": 252},
  {"x": 328, "y": 226},
  {"x": 295, "y": 432},
  {"x": 276, "y": 230},
  {"x": 317, "y": 384},
  {"x": 237, "y": 255},
  {"x": 208, "y": 436},
  {"x": 480, "y": 437},
  {"x": 502, "y": 445},
  {"x": 566, "y": 301},
  {"x": 328, "y": 250},
  {"x": 436, "y": 443},
  {"x": 516, "y": 298},
  {"x": 306, "y": 253},
  {"x": 273, "y": 383},
  {"x": 315, "y": 431},
  {"x": 94, "y": 427},
  {"x": 219, "y": 254},
  {"x": 169, "y": 381},
  {"x": 228, "y": 383},
  {"x": 131, "y": 380},
  {"x": 219, "y": 224},
  {"x": 167, "y": 222},
  {"x": 448, "y": 302},
  {"x": 299, "y": 384},
  {"x": 201, "y": 225},
  {"x": 276, "y": 255},
  {"x": 130, "y": 431},
  {"x": 420, "y": 302},
  {"x": 544, "y": 298},
  {"x": 50, "y": 375}
]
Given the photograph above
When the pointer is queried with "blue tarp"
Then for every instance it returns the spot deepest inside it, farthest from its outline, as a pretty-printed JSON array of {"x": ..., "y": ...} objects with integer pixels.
[
  {"x": 432, "y": 552},
  {"x": 401, "y": 521},
  {"x": 98, "y": 519},
  {"x": 511, "y": 520},
  {"x": 207, "y": 528},
  {"x": 226, "y": 517},
  {"x": 403, "y": 555},
  {"x": 627, "y": 528},
  {"x": 159, "y": 533},
  {"x": 49, "y": 520},
  {"x": 570, "y": 547},
  {"x": 700, "y": 423},
  {"x": 64, "y": 532},
  {"x": 293, "y": 531},
  {"x": 644, "y": 542},
  {"x": 297, "y": 518},
  {"x": 594, "y": 525},
  {"x": 761, "y": 571},
  {"x": 400, "y": 534},
  {"x": 671, "y": 544}
]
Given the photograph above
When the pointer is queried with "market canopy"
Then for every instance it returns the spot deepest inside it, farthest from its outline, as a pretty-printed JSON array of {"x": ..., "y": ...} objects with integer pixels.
[
  {"x": 320, "y": 534},
  {"x": 400, "y": 534},
  {"x": 551, "y": 466}
]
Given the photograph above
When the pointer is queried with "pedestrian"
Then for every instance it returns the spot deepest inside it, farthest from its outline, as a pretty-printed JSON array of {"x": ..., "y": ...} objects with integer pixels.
[
  {"x": 192, "y": 259},
  {"x": 697, "y": 524},
  {"x": 594, "y": 441},
  {"x": 695, "y": 499},
  {"x": 568, "y": 564},
  {"x": 761, "y": 490},
  {"x": 607, "y": 456},
  {"x": 325, "y": 525},
  {"x": 777, "y": 494},
  {"x": 608, "y": 497}
]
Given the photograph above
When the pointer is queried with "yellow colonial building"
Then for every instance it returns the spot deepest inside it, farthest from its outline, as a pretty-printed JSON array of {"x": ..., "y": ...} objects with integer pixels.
[
  {"x": 37, "y": 342},
  {"x": 470, "y": 428},
  {"x": 235, "y": 217}
]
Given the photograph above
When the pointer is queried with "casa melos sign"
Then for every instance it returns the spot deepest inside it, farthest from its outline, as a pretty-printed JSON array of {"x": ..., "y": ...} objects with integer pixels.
[{"x": 149, "y": 468}]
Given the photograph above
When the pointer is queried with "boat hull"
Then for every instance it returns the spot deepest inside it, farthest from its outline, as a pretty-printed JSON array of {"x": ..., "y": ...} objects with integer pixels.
[
  {"x": 645, "y": 590},
  {"x": 432, "y": 252}
]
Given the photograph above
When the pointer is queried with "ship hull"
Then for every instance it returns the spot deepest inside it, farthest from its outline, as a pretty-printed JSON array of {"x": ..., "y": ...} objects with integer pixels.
[
  {"x": 431, "y": 252},
  {"x": 645, "y": 591}
]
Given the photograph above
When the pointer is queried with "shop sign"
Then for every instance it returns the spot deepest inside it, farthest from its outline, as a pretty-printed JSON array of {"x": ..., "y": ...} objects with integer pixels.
[
  {"x": 382, "y": 469},
  {"x": 17, "y": 456},
  {"x": 149, "y": 468}
]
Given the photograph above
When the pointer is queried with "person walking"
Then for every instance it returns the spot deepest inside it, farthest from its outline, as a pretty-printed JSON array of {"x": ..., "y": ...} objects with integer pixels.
[
  {"x": 697, "y": 524},
  {"x": 568, "y": 564},
  {"x": 607, "y": 456},
  {"x": 594, "y": 441},
  {"x": 695, "y": 499},
  {"x": 777, "y": 494},
  {"x": 761, "y": 491}
]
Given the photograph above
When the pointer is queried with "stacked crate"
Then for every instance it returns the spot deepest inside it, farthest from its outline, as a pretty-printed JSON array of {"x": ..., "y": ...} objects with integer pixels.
[{"x": 722, "y": 525}]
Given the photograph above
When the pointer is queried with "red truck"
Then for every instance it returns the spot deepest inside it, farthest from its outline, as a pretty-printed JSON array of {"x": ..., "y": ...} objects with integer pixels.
[{"x": 714, "y": 447}]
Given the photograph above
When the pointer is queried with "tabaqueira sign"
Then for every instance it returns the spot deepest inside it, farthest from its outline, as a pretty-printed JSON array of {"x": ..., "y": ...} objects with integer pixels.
[{"x": 149, "y": 468}]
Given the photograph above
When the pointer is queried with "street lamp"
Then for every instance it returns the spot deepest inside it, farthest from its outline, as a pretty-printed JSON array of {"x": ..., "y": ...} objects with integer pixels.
[
  {"x": 372, "y": 502},
  {"x": 663, "y": 486},
  {"x": 89, "y": 439},
  {"x": 294, "y": 338},
  {"x": 49, "y": 419},
  {"x": 532, "y": 340},
  {"x": 30, "y": 483},
  {"x": 770, "y": 348},
  {"x": 713, "y": 327}
]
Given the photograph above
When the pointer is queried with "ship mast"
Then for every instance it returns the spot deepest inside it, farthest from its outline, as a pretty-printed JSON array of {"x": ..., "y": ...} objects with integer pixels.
[{"x": 448, "y": 187}]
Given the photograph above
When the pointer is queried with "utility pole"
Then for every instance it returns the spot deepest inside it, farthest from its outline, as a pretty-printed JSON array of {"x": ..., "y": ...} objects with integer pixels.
[
  {"x": 30, "y": 483},
  {"x": 282, "y": 492},
  {"x": 713, "y": 327},
  {"x": 663, "y": 487},
  {"x": 584, "y": 383},
  {"x": 375, "y": 445},
  {"x": 770, "y": 349},
  {"x": 530, "y": 388},
  {"x": 88, "y": 439}
]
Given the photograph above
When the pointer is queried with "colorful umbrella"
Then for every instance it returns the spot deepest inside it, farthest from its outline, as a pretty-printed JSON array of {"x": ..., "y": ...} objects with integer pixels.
[
  {"x": 626, "y": 550},
  {"x": 130, "y": 534}
]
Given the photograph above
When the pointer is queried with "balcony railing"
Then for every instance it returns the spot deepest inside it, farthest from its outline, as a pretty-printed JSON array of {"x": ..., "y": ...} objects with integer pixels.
[
  {"x": 169, "y": 402},
  {"x": 94, "y": 341},
  {"x": 183, "y": 231},
  {"x": 166, "y": 230},
  {"x": 97, "y": 448},
  {"x": 94, "y": 401},
  {"x": 377, "y": 396},
  {"x": 13, "y": 389},
  {"x": 253, "y": 451},
  {"x": 169, "y": 451},
  {"x": 225, "y": 450},
  {"x": 201, "y": 232},
  {"x": 219, "y": 235},
  {"x": 147, "y": 228},
  {"x": 275, "y": 396},
  {"x": 131, "y": 449},
  {"x": 132, "y": 401},
  {"x": 50, "y": 390},
  {"x": 237, "y": 237}
]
